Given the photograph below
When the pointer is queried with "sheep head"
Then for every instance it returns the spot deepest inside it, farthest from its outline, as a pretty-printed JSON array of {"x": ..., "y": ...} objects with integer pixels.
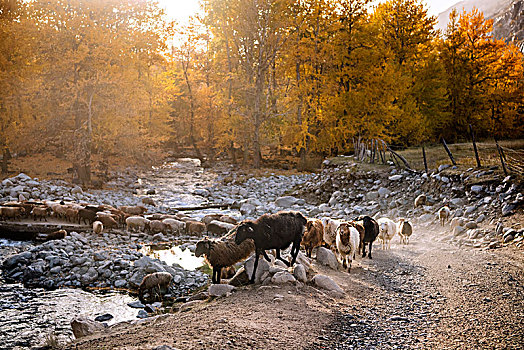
[
  {"x": 202, "y": 247},
  {"x": 344, "y": 233},
  {"x": 244, "y": 231}
]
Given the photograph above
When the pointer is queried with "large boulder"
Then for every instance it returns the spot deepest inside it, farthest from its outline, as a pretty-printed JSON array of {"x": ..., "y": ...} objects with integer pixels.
[
  {"x": 83, "y": 327},
  {"x": 286, "y": 201},
  {"x": 218, "y": 290},
  {"x": 282, "y": 277},
  {"x": 327, "y": 283},
  {"x": 327, "y": 257},
  {"x": 262, "y": 268},
  {"x": 300, "y": 273}
]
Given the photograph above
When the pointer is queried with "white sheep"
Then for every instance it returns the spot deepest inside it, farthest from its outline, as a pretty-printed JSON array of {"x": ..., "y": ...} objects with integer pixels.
[
  {"x": 176, "y": 226},
  {"x": 444, "y": 214},
  {"x": 387, "y": 230},
  {"x": 137, "y": 223},
  {"x": 347, "y": 241},
  {"x": 330, "y": 231},
  {"x": 98, "y": 227}
]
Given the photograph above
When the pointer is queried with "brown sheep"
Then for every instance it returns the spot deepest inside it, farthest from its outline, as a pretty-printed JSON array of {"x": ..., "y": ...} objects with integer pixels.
[
  {"x": 154, "y": 283},
  {"x": 41, "y": 212},
  {"x": 156, "y": 226},
  {"x": 313, "y": 235},
  {"x": 86, "y": 215},
  {"x": 107, "y": 221},
  {"x": 193, "y": 227},
  {"x": 444, "y": 215},
  {"x": 134, "y": 210},
  {"x": 60, "y": 234},
  {"x": 221, "y": 254},
  {"x": 11, "y": 212},
  {"x": 149, "y": 201},
  {"x": 71, "y": 214}
]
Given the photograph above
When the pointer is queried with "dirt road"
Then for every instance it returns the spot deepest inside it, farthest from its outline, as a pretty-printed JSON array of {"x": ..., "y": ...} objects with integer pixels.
[{"x": 427, "y": 295}]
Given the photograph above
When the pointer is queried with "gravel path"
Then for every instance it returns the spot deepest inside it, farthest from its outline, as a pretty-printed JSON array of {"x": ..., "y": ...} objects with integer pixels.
[
  {"x": 428, "y": 295},
  {"x": 431, "y": 295}
]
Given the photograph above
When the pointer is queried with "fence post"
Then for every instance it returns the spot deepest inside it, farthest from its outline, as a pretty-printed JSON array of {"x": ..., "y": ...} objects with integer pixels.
[
  {"x": 501, "y": 158},
  {"x": 474, "y": 146},
  {"x": 425, "y": 161},
  {"x": 449, "y": 152}
]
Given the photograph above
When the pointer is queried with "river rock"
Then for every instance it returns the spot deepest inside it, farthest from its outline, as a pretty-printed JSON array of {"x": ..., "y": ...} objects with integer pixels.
[
  {"x": 458, "y": 230},
  {"x": 324, "y": 207},
  {"x": 508, "y": 209},
  {"x": 373, "y": 195},
  {"x": 442, "y": 167},
  {"x": 103, "y": 318},
  {"x": 77, "y": 190},
  {"x": 327, "y": 283},
  {"x": 395, "y": 177},
  {"x": 262, "y": 268},
  {"x": 383, "y": 192},
  {"x": 218, "y": 290},
  {"x": 457, "y": 202},
  {"x": 300, "y": 273},
  {"x": 247, "y": 209},
  {"x": 83, "y": 327},
  {"x": 286, "y": 201},
  {"x": 327, "y": 257},
  {"x": 282, "y": 277},
  {"x": 476, "y": 188},
  {"x": 481, "y": 218},
  {"x": 471, "y": 225}
]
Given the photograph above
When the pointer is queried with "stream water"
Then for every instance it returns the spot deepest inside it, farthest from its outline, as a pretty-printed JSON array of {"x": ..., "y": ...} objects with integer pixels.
[{"x": 29, "y": 315}]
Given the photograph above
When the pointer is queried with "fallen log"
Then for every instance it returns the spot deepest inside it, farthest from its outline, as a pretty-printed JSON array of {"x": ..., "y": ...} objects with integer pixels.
[{"x": 207, "y": 206}]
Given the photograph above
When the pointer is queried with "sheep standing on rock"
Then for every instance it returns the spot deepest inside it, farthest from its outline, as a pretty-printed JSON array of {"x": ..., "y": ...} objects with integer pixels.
[
  {"x": 273, "y": 231},
  {"x": 348, "y": 242},
  {"x": 420, "y": 201},
  {"x": 371, "y": 231},
  {"x": 98, "y": 227},
  {"x": 222, "y": 254},
  {"x": 313, "y": 236},
  {"x": 154, "y": 283},
  {"x": 405, "y": 230},
  {"x": 387, "y": 230},
  {"x": 444, "y": 214}
]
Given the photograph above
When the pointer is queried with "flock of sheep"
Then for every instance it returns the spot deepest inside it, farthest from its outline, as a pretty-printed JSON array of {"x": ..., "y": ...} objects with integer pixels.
[
  {"x": 101, "y": 217},
  {"x": 283, "y": 229}
]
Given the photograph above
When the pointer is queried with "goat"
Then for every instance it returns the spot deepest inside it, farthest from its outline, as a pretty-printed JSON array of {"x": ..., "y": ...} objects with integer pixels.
[
  {"x": 222, "y": 254},
  {"x": 273, "y": 231},
  {"x": 371, "y": 231},
  {"x": 313, "y": 235},
  {"x": 348, "y": 241},
  {"x": 387, "y": 230},
  {"x": 404, "y": 230}
]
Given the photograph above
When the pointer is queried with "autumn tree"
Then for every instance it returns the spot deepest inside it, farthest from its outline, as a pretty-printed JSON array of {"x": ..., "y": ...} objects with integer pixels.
[{"x": 484, "y": 77}]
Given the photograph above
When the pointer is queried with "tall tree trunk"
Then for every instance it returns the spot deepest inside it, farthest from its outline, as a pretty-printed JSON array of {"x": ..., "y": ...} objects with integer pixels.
[{"x": 192, "y": 115}]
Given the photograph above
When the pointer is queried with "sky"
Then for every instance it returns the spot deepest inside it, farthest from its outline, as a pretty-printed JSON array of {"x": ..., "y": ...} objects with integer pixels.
[{"x": 180, "y": 10}]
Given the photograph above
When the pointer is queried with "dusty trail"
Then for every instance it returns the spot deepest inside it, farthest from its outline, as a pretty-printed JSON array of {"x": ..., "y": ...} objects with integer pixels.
[{"x": 428, "y": 295}]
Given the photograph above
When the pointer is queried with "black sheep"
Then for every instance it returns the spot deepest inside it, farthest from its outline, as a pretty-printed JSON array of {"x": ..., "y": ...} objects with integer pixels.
[
  {"x": 273, "y": 231},
  {"x": 371, "y": 231}
]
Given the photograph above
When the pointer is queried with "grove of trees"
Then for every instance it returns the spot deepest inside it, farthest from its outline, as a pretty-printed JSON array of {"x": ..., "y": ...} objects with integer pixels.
[{"x": 116, "y": 77}]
